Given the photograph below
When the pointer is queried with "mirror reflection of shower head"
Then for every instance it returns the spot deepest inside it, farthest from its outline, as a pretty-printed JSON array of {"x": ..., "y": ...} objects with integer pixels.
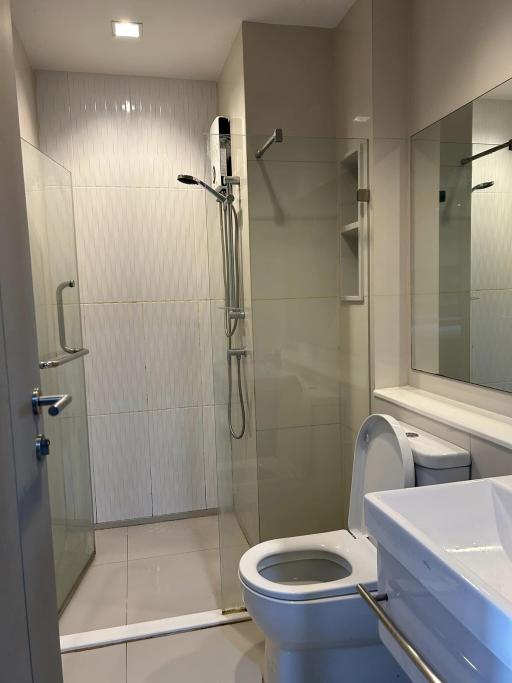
[
  {"x": 483, "y": 186},
  {"x": 190, "y": 180}
]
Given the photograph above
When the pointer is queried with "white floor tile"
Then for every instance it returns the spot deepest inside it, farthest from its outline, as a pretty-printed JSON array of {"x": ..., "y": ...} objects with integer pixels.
[
  {"x": 227, "y": 654},
  {"x": 172, "y": 585},
  {"x": 99, "y": 602},
  {"x": 172, "y": 538},
  {"x": 104, "y": 665},
  {"x": 111, "y": 545}
]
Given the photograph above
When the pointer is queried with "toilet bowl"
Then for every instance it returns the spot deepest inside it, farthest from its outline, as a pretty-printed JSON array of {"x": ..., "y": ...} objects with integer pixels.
[{"x": 302, "y": 591}]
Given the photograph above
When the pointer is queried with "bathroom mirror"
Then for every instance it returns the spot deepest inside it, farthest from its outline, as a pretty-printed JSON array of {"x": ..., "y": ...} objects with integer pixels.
[{"x": 461, "y": 189}]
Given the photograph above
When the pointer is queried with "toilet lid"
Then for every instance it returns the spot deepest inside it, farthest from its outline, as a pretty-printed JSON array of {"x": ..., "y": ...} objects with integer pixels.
[{"x": 382, "y": 461}]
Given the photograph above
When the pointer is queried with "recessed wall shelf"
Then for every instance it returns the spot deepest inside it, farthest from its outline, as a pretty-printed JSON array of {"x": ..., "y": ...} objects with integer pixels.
[{"x": 352, "y": 217}]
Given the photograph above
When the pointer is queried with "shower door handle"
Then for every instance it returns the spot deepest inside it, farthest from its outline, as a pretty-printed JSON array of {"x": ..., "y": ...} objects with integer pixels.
[
  {"x": 56, "y": 404},
  {"x": 60, "y": 316}
]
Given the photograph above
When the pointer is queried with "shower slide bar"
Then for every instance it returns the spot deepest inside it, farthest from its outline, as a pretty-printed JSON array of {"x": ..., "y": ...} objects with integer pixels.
[
  {"x": 62, "y": 360},
  {"x": 277, "y": 136},
  {"x": 468, "y": 160}
]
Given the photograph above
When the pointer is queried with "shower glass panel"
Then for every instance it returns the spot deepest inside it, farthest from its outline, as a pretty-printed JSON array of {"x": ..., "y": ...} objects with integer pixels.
[
  {"x": 304, "y": 234},
  {"x": 59, "y": 333}
]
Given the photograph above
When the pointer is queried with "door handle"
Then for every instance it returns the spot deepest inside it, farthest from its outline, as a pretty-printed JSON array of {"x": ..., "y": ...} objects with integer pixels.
[{"x": 56, "y": 403}]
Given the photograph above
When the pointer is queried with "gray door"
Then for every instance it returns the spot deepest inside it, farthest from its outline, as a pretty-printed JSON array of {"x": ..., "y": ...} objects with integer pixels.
[{"x": 29, "y": 646}]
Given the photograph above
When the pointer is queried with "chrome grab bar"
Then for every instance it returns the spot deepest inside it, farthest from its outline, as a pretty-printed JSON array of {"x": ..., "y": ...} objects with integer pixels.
[
  {"x": 277, "y": 136},
  {"x": 56, "y": 404},
  {"x": 60, "y": 316},
  {"x": 61, "y": 360},
  {"x": 397, "y": 635}
]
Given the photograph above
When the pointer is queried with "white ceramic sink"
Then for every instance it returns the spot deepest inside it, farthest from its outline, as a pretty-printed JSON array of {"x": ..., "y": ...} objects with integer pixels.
[{"x": 453, "y": 550}]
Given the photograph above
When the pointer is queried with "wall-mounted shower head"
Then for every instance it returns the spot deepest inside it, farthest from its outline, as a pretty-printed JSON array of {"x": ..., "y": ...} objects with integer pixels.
[
  {"x": 190, "y": 180},
  {"x": 483, "y": 186}
]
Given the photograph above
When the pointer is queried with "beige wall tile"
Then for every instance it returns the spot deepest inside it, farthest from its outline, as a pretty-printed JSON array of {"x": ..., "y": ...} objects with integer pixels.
[
  {"x": 301, "y": 57},
  {"x": 489, "y": 460},
  {"x": 353, "y": 71},
  {"x": 446, "y": 68}
]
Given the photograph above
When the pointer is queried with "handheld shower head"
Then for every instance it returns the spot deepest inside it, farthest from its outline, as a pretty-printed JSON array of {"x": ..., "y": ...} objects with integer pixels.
[{"x": 190, "y": 180}]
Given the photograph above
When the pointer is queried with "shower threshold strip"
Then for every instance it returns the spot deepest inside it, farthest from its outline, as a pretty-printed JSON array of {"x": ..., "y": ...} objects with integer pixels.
[{"x": 103, "y": 637}]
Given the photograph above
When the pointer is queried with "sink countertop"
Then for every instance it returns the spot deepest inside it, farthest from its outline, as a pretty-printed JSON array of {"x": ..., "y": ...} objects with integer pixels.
[{"x": 456, "y": 539}]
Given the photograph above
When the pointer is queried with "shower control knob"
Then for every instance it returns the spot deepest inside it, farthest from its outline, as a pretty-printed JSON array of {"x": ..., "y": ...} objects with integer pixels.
[{"x": 42, "y": 446}]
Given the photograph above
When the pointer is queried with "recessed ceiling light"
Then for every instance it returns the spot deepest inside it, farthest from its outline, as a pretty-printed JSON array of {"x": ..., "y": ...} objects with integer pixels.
[{"x": 127, "y": 29}]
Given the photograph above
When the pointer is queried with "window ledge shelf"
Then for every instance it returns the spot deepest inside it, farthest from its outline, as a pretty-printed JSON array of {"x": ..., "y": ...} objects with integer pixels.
[{"x": 475, "y": 421}]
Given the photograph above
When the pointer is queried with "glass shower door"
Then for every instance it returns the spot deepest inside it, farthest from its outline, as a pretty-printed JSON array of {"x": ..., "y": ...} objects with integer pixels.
[
  {"x": 303, "y": 215},
  {"x": 61, "y": 355}
]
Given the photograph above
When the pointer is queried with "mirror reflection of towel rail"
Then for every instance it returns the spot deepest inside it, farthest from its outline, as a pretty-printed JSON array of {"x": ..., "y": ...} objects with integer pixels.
[{"x": 61, "y": 360}]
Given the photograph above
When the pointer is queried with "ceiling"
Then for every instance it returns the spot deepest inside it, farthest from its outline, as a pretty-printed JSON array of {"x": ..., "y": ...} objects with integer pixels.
[{"x": 181, "y": 38}]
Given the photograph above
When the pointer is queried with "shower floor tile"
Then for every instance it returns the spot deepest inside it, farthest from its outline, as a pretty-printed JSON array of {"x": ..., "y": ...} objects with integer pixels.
[
  {"x": 171, "y": 585},
  {"x": 99, "y": 601},
  {"x": 145, "y": 572},
  {"x": 172, "y": 538},
  {"x": 111, "y": 546}
]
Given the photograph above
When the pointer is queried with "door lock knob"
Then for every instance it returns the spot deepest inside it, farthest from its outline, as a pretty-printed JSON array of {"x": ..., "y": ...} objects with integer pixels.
[{"x": 42, "y": 446}]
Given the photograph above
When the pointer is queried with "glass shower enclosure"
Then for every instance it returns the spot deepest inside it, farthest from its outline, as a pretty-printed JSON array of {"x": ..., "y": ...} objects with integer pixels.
[
  {"x": 303, "y": 222},
  {"x": 49, "y": 201}
]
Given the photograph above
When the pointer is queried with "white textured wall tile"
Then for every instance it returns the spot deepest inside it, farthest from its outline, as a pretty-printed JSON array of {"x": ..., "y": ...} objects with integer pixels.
[
  {"x": 141, "y": 245},
  {"x": 170, "y": 228},
  {"x": 168, "y": 124},
  {"x": 122, "y": 481},
  {"x": 54, "y": 116},
  {"x": 491, "y": 246},
  {"x": 194, "y": 106},
  {"x": 115, "y": 375},
  {"x": 173, "y": 355},
  {"x": 491, "y": 331},
  {"x": 108, "y": 245},
  {"x": 100, "y": 112},
  {"x": 177, "y": 464},
  {"x": 141, "y": 238},
  {"x": 210, "y": 456},
  {"x": 205, "y": 342}
]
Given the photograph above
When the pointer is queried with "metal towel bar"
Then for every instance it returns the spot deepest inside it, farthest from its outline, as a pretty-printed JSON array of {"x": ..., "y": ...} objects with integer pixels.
[{"x": 397, "y": 635}]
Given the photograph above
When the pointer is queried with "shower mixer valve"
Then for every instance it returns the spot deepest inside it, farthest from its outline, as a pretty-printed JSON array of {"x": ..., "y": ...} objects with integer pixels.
[
  {"x": 236, "y": 314},
  {"x": 237, "y": 353}
]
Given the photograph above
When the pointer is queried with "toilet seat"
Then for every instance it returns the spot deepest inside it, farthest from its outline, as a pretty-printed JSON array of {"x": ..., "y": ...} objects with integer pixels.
[
  {"x": 356, "y": 554},
  {"x": 383, "y": 460}
]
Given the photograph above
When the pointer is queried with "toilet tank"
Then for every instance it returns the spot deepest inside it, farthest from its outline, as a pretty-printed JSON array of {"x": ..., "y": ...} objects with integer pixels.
[{"x": 436, "y": 461}]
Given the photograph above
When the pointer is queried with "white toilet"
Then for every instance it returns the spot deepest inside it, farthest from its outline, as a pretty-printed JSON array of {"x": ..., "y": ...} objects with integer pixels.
[{"x": 301, "y": 591}]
